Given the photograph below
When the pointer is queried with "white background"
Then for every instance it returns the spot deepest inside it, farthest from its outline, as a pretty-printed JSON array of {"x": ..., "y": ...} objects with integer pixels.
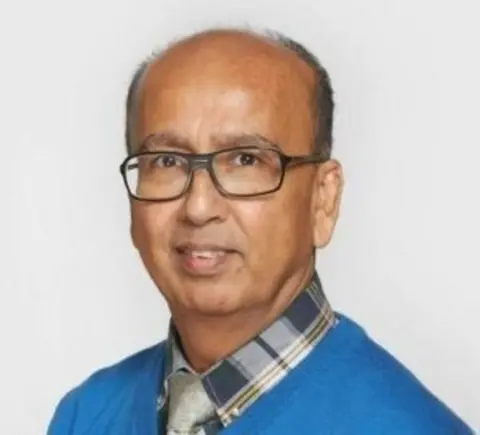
[{"x": 404, "y": 261}]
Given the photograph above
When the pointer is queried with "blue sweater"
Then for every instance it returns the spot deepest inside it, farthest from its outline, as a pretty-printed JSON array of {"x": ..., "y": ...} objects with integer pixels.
[{"x": 348, "y": 385}]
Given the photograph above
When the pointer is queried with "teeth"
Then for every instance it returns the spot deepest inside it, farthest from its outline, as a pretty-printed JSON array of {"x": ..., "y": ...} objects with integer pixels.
[{"x": 206, "y": 254}]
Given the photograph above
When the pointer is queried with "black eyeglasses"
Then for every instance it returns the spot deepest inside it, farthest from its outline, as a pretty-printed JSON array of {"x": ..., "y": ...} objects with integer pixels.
[{"x": 239, "y": 172}]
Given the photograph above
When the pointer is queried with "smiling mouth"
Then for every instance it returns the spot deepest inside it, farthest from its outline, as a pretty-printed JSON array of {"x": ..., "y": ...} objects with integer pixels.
[
  {"x": 203, "y": 261},
  {"x": 205, "y": 254}
]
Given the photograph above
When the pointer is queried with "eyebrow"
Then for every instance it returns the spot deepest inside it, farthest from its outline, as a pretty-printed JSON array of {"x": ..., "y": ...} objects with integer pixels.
[
  {"x": 164, "y": 138},
  {"x": 173, "y": 140}
]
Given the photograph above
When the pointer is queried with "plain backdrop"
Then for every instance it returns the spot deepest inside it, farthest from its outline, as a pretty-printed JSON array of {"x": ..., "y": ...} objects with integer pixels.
[{"x": 404, "y": 262}]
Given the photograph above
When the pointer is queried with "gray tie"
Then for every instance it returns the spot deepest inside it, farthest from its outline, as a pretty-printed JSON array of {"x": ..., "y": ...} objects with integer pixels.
[{"x": 188, "y": 405}]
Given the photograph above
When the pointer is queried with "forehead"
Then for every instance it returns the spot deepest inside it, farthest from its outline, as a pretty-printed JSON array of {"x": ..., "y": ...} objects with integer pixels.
[{"x": 228, "y": 85}]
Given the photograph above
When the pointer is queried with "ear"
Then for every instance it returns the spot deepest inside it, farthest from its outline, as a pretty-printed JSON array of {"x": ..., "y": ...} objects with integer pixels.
[{"x": 326, "y": 200}]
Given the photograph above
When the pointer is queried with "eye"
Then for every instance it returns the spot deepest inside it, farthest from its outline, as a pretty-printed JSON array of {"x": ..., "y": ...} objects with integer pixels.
[
  {"x": 245, "y": 159},
  {"x": 167, "y": 161}
]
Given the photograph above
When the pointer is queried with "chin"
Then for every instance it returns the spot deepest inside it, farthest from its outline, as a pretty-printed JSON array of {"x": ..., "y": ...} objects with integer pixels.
[
  {"x": 212, "y": 310},
  {"x": 212, "y": 300}
]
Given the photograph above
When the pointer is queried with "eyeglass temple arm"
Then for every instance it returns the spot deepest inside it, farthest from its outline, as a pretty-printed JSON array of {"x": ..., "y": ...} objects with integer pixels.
[
  {"x": 128, "y": 166},
  {"x": 312, "y": 158}
]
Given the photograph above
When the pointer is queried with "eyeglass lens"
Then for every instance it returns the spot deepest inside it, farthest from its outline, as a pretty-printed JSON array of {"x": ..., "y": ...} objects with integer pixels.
[{"x": 164, "y": 175}]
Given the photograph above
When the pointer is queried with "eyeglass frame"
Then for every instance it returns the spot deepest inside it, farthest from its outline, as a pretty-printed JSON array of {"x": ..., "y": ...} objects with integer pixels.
[{"x": 198, "y": 161}]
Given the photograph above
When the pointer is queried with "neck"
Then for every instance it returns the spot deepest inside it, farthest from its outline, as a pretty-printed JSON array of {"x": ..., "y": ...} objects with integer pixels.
[{"x": 208, "y": 339}]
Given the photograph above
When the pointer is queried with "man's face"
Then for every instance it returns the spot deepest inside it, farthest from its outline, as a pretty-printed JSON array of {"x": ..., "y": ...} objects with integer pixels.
[{"x": 208, "y": 253}]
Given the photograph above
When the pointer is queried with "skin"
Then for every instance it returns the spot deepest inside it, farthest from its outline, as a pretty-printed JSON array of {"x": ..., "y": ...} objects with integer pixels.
[{"x": 203, "y": 90}]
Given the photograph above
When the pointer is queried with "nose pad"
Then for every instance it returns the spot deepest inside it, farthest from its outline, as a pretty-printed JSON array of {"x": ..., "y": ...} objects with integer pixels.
[{"x": 199, "y": 164}]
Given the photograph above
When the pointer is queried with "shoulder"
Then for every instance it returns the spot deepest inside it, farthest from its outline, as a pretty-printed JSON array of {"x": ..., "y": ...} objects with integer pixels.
[
  {"x": 390, "y": 393},
  {"x": 108, "y": 388}
]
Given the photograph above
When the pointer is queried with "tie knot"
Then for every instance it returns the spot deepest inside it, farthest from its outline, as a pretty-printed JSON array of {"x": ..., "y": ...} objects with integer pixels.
[{"x": 188, "y": 404}]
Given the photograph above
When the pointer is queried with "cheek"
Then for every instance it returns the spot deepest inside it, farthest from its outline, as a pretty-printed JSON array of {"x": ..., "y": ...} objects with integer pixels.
[
  {"x": 150, "y": 227},
  {"x": 277, "y": 228}
]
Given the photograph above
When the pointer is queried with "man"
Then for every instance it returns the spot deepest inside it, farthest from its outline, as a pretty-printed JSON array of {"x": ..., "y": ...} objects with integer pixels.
[{"x": 232, "y": 189}]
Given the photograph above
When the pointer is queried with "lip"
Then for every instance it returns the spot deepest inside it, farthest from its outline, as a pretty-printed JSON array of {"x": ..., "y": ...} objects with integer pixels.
[{"x": 203, "y": 260}]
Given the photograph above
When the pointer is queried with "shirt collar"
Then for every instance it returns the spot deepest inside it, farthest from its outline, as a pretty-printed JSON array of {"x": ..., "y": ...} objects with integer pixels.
[{"x": 236, "y": 382}]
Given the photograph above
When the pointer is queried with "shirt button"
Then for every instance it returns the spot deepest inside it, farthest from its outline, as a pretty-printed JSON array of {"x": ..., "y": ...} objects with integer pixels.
[{"x": 235, "y": 412}]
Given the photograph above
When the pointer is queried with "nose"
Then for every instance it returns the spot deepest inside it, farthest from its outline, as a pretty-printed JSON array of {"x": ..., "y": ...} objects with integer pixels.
[{"x": 203, "y": 203}]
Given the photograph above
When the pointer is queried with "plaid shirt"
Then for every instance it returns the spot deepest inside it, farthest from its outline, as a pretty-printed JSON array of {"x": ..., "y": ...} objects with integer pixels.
[{"x": 236, "y": 382}]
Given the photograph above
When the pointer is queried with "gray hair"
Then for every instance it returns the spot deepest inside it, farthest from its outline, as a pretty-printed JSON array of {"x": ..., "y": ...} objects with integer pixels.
[{"x": 322, "y": 96}]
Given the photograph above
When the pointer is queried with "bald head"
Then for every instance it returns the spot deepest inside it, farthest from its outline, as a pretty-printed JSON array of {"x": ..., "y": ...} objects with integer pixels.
[{"x": 276, "y": 68}]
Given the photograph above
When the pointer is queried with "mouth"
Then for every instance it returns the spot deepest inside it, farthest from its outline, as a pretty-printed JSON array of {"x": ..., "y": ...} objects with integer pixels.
[{"x": 203, "y": 260}]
